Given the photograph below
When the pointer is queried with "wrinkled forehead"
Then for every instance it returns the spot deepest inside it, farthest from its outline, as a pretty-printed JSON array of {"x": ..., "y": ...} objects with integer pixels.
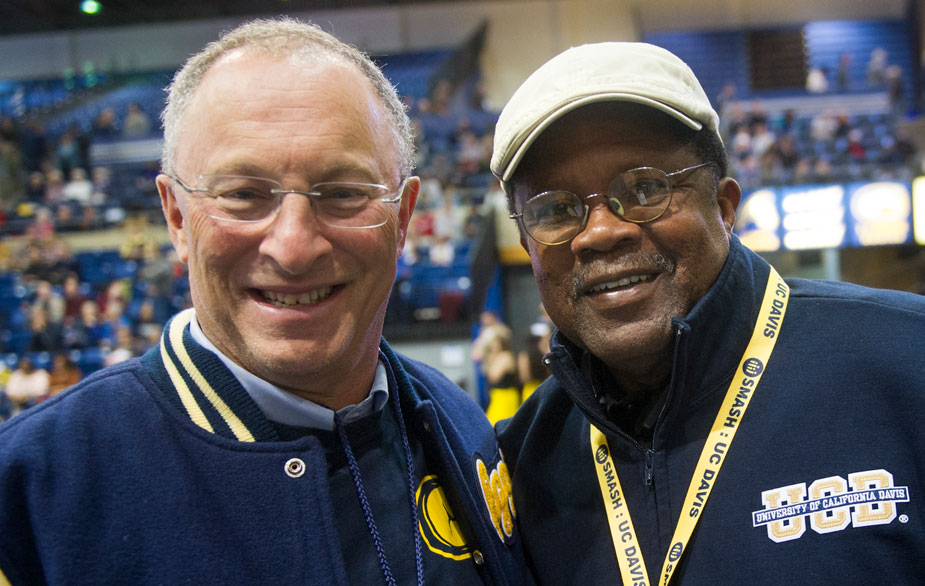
[{"x": 251, "y": 100}]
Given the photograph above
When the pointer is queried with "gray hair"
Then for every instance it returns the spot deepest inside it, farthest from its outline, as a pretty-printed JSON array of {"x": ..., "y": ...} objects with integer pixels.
[{"x": 281, "y": 37}]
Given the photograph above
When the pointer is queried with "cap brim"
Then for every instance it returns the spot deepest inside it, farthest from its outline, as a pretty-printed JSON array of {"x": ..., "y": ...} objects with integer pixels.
[{"x": 563, "y": 109}]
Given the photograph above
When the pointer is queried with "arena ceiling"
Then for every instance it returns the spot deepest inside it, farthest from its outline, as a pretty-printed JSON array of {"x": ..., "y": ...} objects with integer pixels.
[{"x": 34, "y": 16}]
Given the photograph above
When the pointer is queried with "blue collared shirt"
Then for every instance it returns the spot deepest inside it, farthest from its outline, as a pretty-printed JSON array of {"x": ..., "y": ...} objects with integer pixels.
[{"x": 290, "y": 409}]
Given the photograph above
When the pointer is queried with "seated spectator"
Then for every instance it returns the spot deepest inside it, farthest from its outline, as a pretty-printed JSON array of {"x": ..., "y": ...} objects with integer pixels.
[
  {"x": 898, "y": 148},
  {"x": 136, "y": 123},
  {"x": 67, "y": 153},
  {"x": 817, "y": 81},
  {"x": 757, "y": 114},
  {"x": 741, "y": 143},
  {"x": 46, "y": 336},
  {"x": 35, "y": 187},
  {"x": 762, "y": 139},
  {"x": 105, "y": 124},
  {"x": 146, "y": 328},
  {"x": 49, "y": 300},
  {"x": 73, "y": 297},
  {"x": 441, "y": 96},
  {"x": 100, "y": 177},
  {"x": 89, "y": 219},
  {"x": 422, "y": 224},
  {"x": 469, "y": 153},
  {"x": 876, "y": 67},
  {"x": 431, "y": 190},
  {"x": 64, "y": 374},
  {"x": 769, "y": 168},
  {"x": 473, "y": 222},
  {"x": 157, "y": 272},
  {"x": 442, "y": 252},
  {"x": 822, "y": 171},
  {"x": 54, "y": 187},
  {"x": 74, "y": 334},
  {"x": 123, "y": 346},
  {"x": 856, "y": 150},
  {"x": 27, "y": 385},
  {"x": 114, "y": 320},
  {"x": 114, "y": 292},
  {"x": 843, "y": 75},
  {"x": 894, "y": 88},
  {"x": 45, "y": 256},
  {"x": 823, "y": 126},
  {"x": 787, "y": 156},
  {"x": 446, "y": 222},
  {"x": 411, "y": 253},
  {"x": 12, "y": 181},
  {"x": 139, "y": 244},
  {"x": 64, "y": 216},
  {"x": 843, "y": 125},
  {"x": 748, "y": 172},
  {"x": 803, "y": 171},
  {"x": 78, "y": 188},
  {"x": 86, "y": 331}
]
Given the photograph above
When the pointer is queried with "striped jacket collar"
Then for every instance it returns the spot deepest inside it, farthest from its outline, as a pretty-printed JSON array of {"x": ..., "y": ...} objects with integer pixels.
[{"x": 197, "y": 382}]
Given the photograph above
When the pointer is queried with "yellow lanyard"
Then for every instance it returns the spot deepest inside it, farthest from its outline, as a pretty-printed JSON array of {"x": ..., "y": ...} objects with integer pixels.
[{"x": 738, "y": 397}]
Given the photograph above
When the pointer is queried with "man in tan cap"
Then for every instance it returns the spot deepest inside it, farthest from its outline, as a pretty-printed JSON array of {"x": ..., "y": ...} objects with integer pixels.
[{"x": 629, "y": 462}]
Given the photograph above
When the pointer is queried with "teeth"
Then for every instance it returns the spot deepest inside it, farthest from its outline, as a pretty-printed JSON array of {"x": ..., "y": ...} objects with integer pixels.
[
  {"x": 619, "y": 283},
  {"x": 289, "y": 299}
]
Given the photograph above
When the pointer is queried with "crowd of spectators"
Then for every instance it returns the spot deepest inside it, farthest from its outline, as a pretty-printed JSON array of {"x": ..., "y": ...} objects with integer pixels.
[
  {"x": 789, "y": 146},
  {"x": 40, "y": 170},
  {"x": 785, "y": 148},
  {"x": 59, "y": 323}
]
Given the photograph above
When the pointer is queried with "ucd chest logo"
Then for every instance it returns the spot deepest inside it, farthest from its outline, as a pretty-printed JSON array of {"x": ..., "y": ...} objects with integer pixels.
[{"x": 830, "y": 504}]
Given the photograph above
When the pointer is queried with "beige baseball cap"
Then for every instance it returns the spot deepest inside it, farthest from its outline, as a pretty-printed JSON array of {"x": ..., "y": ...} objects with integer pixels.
[{"x": 600, "y": 72}]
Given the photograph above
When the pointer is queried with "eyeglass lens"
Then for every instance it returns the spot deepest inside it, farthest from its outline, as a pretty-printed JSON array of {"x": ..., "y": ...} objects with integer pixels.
[
  {"x": 637, "y": 195},
  {"x": 251, "y": 199}
]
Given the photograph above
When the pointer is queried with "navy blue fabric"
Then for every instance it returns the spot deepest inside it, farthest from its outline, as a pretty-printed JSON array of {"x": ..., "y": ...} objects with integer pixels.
[
  {"x": 112, "y": 483},
  {"x": 844, "y": 392}
]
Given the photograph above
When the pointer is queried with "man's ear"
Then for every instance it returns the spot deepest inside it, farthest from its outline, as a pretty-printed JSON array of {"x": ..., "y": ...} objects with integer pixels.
[
  {"x": 412, "y": 186},
  {"x": 728, "y": 195},
  {"x": 174, "y": 216}
]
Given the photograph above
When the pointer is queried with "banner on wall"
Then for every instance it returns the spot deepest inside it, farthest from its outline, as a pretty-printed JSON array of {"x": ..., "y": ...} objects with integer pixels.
[{"x": 809, "y": 217}]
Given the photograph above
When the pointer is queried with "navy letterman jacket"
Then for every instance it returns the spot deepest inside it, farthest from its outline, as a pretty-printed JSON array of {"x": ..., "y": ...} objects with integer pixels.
[
  {"x": 823, "y": 484},
  {"x": 162, "y": 470}
]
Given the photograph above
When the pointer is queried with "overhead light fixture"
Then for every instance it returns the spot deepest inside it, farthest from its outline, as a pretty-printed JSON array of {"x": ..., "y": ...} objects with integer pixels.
[{"x": 90, "y": 7}]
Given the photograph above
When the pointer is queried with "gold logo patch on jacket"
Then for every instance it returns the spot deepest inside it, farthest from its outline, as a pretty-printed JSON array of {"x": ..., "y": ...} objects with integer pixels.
[
  {"x": 438, "y": 524},
  {"x": 496, "y": 491}
]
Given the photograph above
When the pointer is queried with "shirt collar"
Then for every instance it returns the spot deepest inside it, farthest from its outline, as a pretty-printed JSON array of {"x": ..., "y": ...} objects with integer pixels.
[{"x": 289, "y": 409}]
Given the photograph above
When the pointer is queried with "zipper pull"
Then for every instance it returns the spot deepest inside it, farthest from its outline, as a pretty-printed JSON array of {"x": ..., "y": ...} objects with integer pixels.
[{"x": 649, "y": 472}]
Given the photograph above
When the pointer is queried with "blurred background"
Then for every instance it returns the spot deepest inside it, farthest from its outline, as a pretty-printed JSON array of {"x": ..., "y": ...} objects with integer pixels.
[{"x": 820, "y": 105}]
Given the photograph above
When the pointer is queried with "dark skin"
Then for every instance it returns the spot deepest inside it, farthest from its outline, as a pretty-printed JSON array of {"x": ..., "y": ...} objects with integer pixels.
[{"x": 614, "y": 287}]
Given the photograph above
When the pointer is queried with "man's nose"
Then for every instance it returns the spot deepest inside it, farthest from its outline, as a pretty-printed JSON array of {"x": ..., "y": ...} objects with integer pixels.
[
  {"x": 295, "y": 238},
  {"x": 605, "y": 228}
]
